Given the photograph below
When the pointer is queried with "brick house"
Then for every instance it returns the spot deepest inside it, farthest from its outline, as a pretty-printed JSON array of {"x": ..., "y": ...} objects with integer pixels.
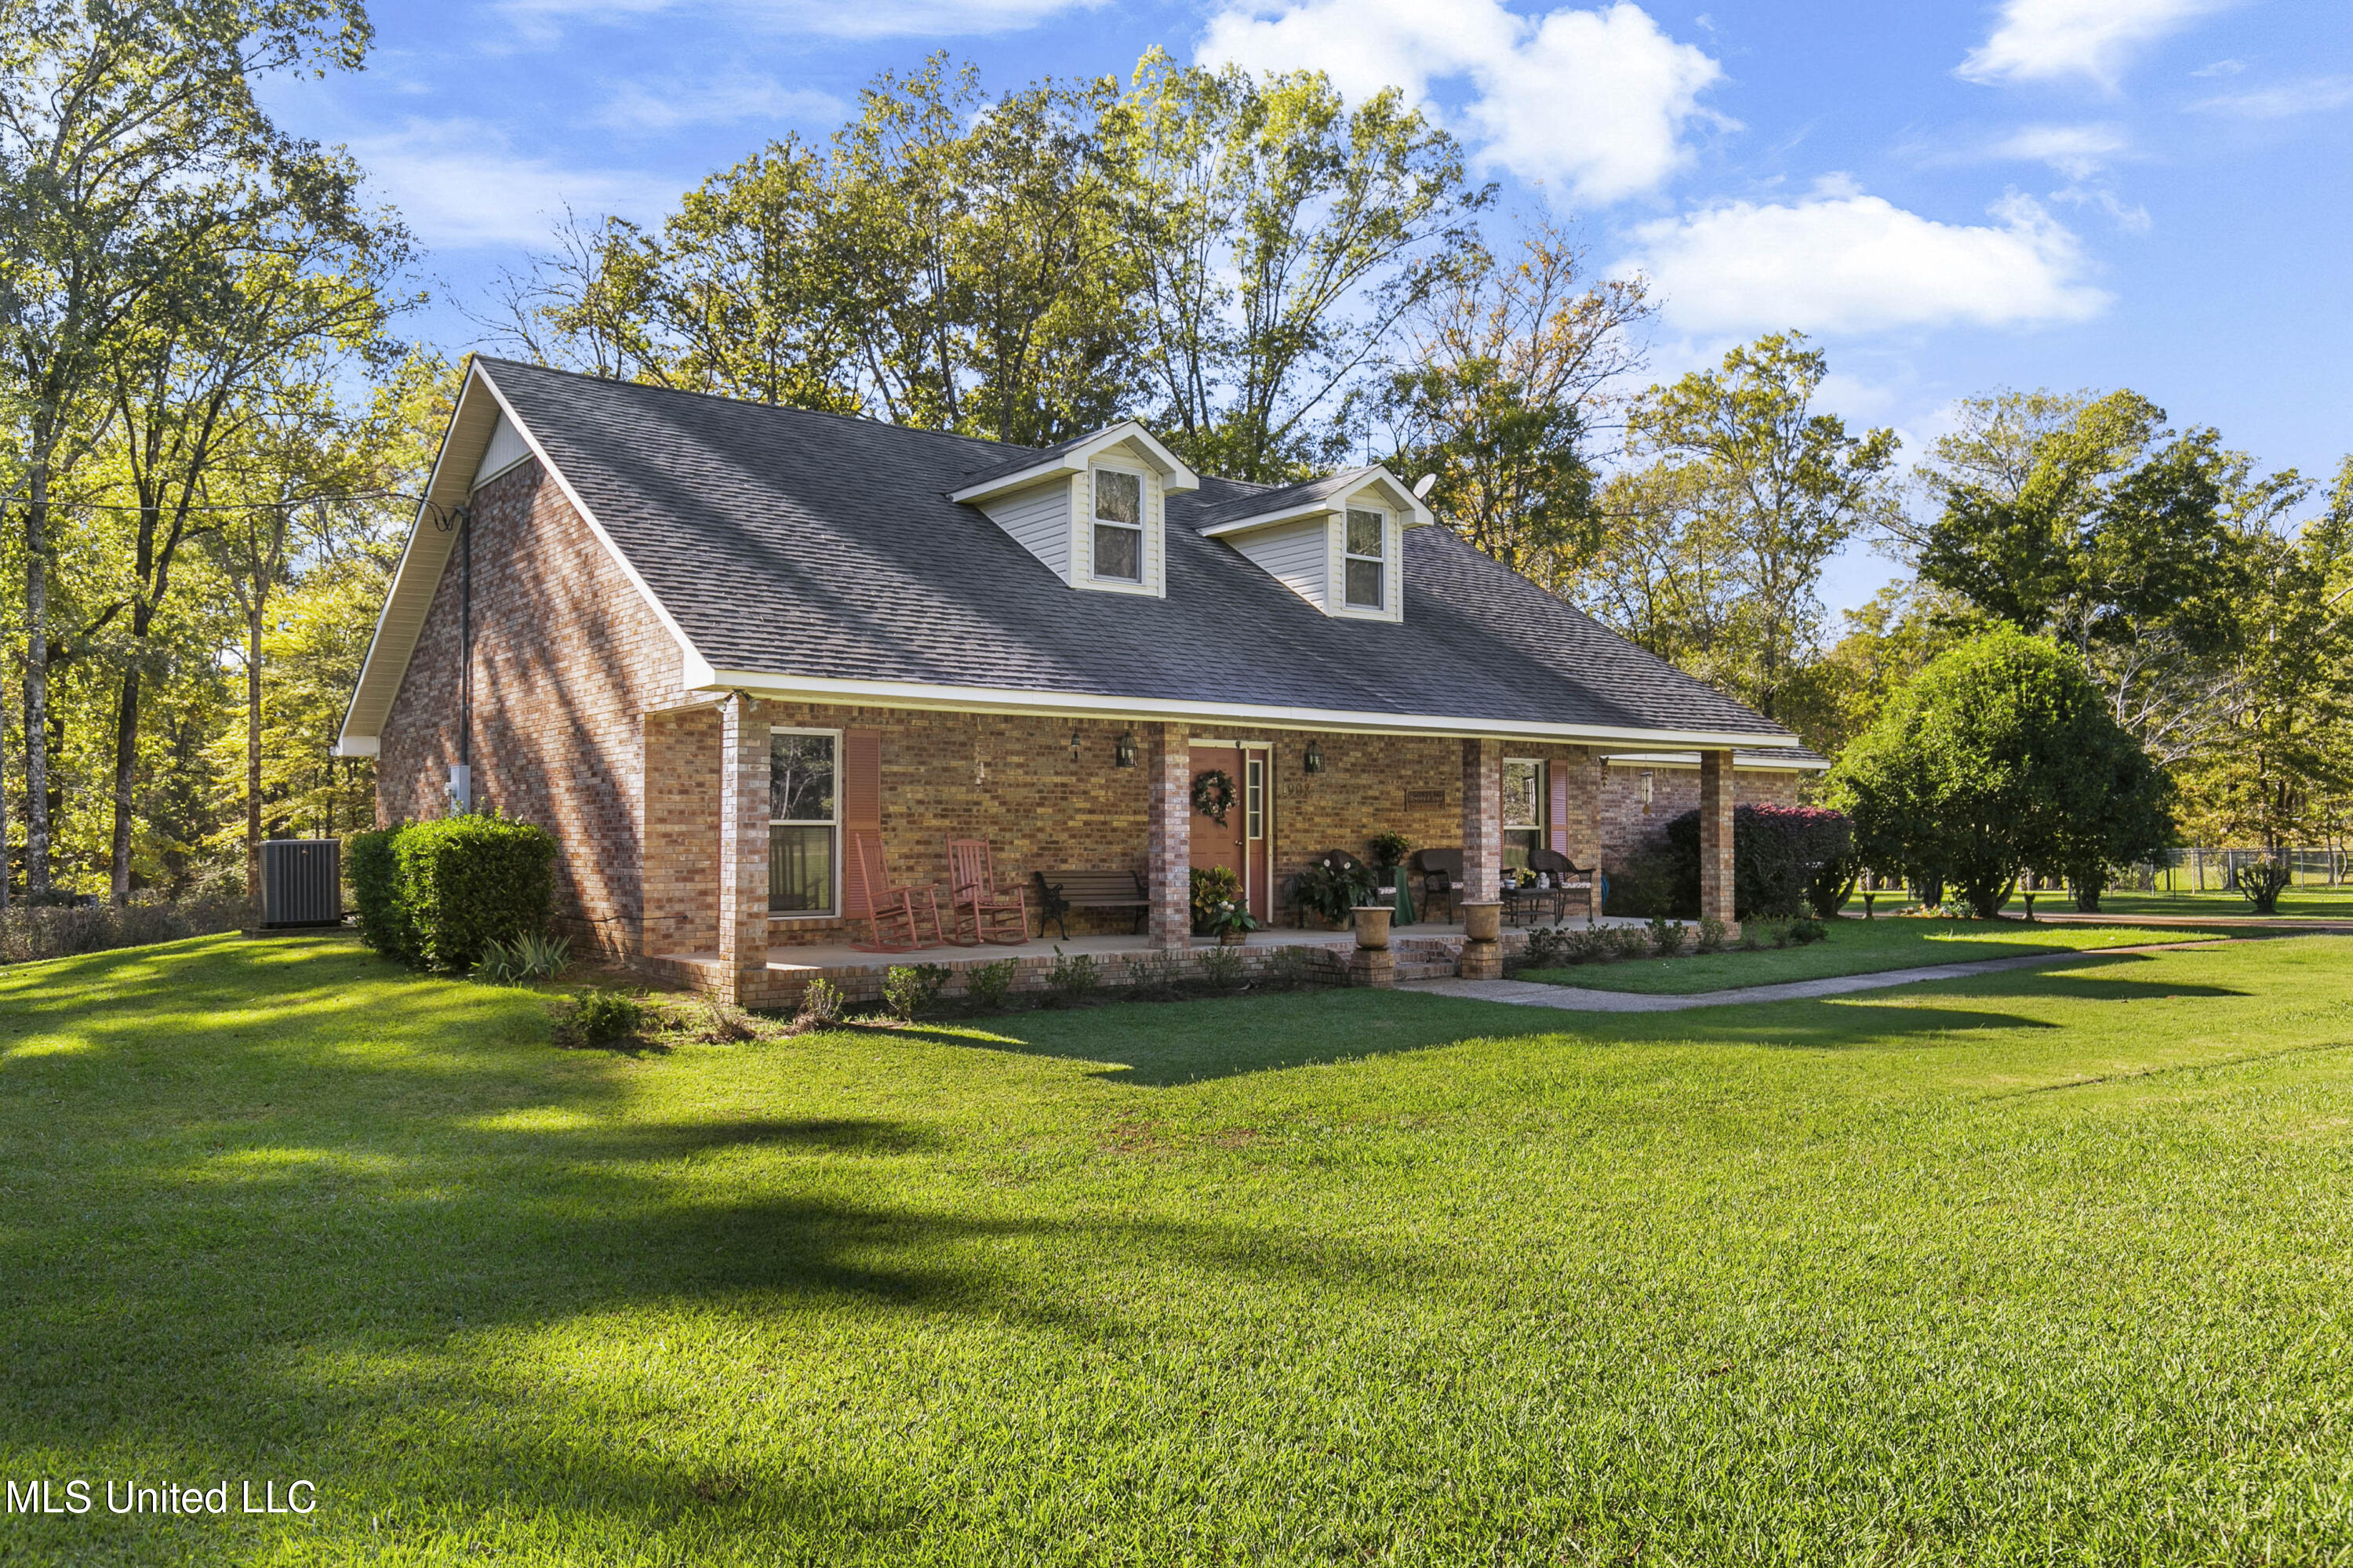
[{"x": 701, "y": 640}]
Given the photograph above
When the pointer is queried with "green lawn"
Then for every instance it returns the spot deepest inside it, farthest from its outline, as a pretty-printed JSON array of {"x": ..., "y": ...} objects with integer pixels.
[
  {"x": 1854, "y": 947},
  {"x": 2036, "y": 1267},
  {"x": 2317, "y": 901}
]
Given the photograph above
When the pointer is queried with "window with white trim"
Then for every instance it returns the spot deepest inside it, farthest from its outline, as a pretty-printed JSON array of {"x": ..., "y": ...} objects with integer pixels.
[
  {"x": 1366, "y": 554},
  {"x": 1524, "y": 804},
  {"x": 804, "y": 821},
  {"x": 1119, "y": 524}
]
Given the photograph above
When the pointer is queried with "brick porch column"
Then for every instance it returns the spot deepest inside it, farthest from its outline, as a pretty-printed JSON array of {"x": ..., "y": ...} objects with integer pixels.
[
  {"x": 742, "y": 846},
  {"x": 1715, "y": 801},
  {"x": 1168, "y": 843},
  {"x": 1482, "y": 821}
]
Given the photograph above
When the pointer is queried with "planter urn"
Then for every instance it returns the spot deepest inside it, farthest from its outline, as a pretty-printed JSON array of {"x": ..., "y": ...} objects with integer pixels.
[
  {"x": 1232, "y": 938},
  {"x": 1483, "y": 922},
  {"x": 1373, "y": 925}
]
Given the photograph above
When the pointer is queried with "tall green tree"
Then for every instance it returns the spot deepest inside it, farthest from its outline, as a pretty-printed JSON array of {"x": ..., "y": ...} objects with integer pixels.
[
  {"x": 1282, "y": 239},
  {"x": 1506, "y": 386},
  {"x": 1999, "y": 757},
  {"x": 112, "y": 119},
  {"x": 1750, "y": 490}
]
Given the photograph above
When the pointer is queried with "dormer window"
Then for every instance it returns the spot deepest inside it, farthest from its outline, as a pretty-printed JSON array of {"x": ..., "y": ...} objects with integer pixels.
[
  {"x": 1366, "y": 554},
  {"x": 1119, "y": 524}
]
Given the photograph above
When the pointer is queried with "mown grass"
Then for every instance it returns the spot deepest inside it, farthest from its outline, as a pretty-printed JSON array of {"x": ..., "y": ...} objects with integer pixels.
[
  {"x": 2033, "y": 1267},
  {"x": 1854, "y": 947}
]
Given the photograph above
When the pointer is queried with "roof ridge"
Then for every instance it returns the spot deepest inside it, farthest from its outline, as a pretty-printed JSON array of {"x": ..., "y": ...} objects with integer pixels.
[{"x": 866, "y": 420}]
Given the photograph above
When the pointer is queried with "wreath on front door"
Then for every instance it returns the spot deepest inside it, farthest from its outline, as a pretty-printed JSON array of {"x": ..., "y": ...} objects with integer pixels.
[{"x": 1213, "y": 794}]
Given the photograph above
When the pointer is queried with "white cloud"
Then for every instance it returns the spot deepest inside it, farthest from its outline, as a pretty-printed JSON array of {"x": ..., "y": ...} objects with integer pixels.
[
  {"x": 2078, "y": 152},
  {"x": 2042, "y": 40},
  {"x": 826, "y": 19},
  {"x": 722, "y": 100},
  {"x": 1842, "y": 261},
  {"x": 1593, "y": 102},
  {"x": 461, "y": 183},
  {"x": 2316, "y": 96},
  {"x": 2221, "y": 68}
]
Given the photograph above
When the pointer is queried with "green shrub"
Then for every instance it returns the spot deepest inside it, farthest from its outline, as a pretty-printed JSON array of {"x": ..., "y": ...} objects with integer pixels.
[
  {"x": 376, "y": 893},
  {"x": 991, "y": 985},
  {"x": 723, "y": 1023},
  {"x": 603, "y": 1018},
  {"x": 1156, "y": 977},
  {"x": 463, "y": 881},
  {"x": 1221, "y": 968},
  {"x": 910, "y": 989},
  {"x": 820, "y": 1005},
  {"x": 530, "y": 957},
  {"x": 1806, "y": 931},
  {"x": 1074, "y": 978},
  {"x": 1667, "y": 936},
  {"x": 1713, "y": 933},
  {"x": 1629, "y": 941}
]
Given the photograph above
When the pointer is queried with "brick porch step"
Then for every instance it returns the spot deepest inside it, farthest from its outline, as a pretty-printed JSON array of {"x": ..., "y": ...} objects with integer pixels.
[{"x": 1442, "y": 968}]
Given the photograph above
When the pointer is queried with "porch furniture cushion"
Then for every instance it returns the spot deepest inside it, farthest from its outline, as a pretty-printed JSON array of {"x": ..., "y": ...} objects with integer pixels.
[
  {"x": 1060, "y": 892},
  {"x": 895, "y": 914},
  {"x": 1441, "y": 871},
  {"x": 997, "y": 913}
]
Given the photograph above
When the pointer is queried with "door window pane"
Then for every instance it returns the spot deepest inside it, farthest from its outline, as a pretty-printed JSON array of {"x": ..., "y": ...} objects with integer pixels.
[
  {"x": 1521, "y": 794},
  {"x": 1118, "y": 553},
  {"x": 800, "y": 869},
  {"x": 800, "y": 777}
]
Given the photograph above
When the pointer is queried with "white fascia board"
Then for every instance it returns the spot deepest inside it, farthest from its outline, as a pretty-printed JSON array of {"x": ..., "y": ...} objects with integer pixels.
[
  {"x": 694, "y": 668},
  {"x": 1749, "y": 761},
  {"x": 1084, "y": 705},
  {"x": 1175, "y": 476},
  {"x": 1323, "y": 508},
  {"x": 433, "y": 487},
  {"x": 1401, "y": 496}
]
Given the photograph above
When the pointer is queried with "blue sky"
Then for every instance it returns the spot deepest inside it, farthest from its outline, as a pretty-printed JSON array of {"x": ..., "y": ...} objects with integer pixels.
[{"x": 2156, "y": 194}]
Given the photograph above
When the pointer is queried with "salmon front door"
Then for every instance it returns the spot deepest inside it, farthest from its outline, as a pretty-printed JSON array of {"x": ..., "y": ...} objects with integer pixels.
[{"x": 1239, "y": 843}]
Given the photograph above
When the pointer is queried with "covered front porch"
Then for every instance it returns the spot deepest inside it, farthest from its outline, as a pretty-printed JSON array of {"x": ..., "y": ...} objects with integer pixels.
[{"x": 1056, "y": 796}]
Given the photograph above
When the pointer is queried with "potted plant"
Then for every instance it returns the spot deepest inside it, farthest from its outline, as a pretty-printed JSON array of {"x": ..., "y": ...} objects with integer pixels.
[
  {"x": 1212, "y": 886},
  {"x": 1333, "y": 886},
  {"x": 1389, "y": 850},
  {"x": 1229, "y": 923}
]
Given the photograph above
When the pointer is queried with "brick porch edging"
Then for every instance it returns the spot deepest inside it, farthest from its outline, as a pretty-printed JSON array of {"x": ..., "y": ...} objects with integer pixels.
[{"x": 780, "y": 988}]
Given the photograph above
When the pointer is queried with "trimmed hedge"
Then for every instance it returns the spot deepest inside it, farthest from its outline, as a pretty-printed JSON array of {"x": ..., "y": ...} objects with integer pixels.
[
  {"x": 1777, "y": 854},
  {"x": 368, "y": 859},
  {"x": 432, "y": 894}
]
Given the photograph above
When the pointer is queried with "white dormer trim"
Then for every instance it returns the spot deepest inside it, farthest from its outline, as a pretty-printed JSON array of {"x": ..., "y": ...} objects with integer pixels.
[
  {"x": 1075, "y": 458},
  {"x": 1305, "y": 545},
  {"x": 1396, "y": 496}
]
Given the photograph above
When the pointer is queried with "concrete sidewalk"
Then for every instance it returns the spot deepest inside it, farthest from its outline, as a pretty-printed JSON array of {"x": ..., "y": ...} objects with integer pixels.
[{"x": 1576, "y": 998}]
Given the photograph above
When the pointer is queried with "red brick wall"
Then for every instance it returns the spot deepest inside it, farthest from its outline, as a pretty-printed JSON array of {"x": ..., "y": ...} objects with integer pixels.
[
  {"x": 1625, "y": 822},
  {"x": 567, "y": 660}
]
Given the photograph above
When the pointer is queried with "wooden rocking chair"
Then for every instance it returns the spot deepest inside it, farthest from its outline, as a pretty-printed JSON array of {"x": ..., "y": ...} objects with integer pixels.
[
  {"x": 997, "y": 913},
  {"x": 890, "y": 910}
]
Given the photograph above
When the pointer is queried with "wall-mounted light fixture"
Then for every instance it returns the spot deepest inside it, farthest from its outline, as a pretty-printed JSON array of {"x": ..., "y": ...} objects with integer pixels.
[
  {"x": 1313, "y": 761},
  {"x": 1074, "y": 749},
  {"x": 1123, "y": 752}
]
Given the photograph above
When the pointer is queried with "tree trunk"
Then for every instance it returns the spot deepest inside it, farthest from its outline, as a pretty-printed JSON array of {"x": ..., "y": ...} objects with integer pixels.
[
  {"x": 36, "y": 686},
  {"x": 126, "y": 768},
  {"x": 253, "y": 757}
]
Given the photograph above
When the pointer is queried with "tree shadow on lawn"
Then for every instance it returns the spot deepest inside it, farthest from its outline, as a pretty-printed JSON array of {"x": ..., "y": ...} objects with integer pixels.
[
  {"x": 1168, "y": 1044},
  {"x": 213, "y": 1219}
]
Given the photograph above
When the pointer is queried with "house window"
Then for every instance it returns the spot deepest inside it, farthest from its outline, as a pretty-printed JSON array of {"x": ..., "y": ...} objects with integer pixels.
[
  {"x": 1523, "y": 809},
  {"x": 1119, "y": 525},
  {"x": 804, "y": 821},
  {"x": 1367, "y": 557}
]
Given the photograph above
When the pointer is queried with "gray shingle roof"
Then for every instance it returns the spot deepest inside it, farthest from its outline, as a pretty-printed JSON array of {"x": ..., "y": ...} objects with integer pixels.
[
  {"x": 1255, "y": 500},
  {"x": 813, "y": 544}
]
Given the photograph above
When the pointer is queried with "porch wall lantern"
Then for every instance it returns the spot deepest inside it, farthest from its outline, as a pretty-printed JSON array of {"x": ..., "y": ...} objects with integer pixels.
[
  {"x": 1313, "y": 761},
  {"x": 1124, "y": 749},
  {"x": 1074, "y": 749}
]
